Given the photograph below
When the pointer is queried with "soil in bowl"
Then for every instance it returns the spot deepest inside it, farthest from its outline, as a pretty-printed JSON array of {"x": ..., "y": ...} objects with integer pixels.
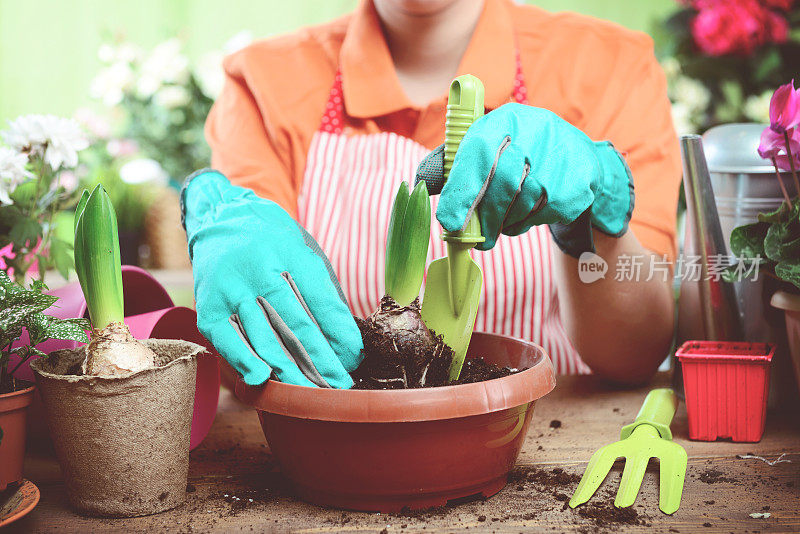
[{"x": 412, "y": 363}]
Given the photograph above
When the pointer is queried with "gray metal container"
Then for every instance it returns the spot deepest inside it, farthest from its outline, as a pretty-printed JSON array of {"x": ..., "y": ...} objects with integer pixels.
[{"x": 744, "y": 186}]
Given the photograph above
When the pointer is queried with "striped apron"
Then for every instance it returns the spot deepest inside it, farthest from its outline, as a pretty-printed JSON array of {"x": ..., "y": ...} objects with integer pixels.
[{"x": 345, "y": 203}]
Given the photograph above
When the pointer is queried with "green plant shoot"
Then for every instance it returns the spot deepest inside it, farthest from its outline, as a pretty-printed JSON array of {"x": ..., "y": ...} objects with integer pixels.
[
  {"x": 407, "y": 243},
  {"x": 97, "y": 258}
]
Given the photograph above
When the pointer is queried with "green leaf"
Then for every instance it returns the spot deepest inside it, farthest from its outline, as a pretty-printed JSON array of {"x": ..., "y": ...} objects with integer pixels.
[
  {"x": 98, "y": 260},
  {"x": 782, "y": 241},
  {"x": 25, "y": 232},
  {"x": 789, "y": 271},
  {"x": 42, "y": 327},
  {"x": 61, "y": 256},
  {"x": 748, "y": 241},
  {"x": 79, "y": 257},
  {"x": 407, "y": 248},
  {"x": 782, "y": 214},
  {"x": 394, "y": 237}
]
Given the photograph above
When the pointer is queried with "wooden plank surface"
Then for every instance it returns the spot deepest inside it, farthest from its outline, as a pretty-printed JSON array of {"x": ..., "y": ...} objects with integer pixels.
[{"x": 233, "y": 463}]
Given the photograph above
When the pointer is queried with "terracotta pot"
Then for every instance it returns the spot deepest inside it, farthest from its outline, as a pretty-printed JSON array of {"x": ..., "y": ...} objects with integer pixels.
[
  {"x": 389, "y": 450},
  {"x": 122, "y": 443},
  {"x": 13, "y": 412},
  {"x": 790, "y": 304}
]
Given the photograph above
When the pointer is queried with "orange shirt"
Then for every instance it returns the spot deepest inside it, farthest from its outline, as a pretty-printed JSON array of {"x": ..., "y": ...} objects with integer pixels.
[{"x": 600, "y": 77}]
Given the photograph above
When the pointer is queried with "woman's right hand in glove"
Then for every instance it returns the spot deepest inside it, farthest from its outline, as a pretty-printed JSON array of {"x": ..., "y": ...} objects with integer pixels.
[{"x": 266, "y": 295}]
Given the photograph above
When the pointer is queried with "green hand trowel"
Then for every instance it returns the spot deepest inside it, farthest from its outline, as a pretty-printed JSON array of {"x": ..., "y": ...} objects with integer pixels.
[
  {"x": 454, "y": 283},
  {"x": 647, "y": 437}
]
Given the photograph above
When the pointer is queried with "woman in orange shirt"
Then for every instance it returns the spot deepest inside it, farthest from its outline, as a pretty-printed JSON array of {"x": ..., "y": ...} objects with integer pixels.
[{"x": 323, "y": 124}]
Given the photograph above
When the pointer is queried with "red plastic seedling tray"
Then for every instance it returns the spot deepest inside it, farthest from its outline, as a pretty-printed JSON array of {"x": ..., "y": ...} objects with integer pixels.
[{"x": 726, "y": 385}]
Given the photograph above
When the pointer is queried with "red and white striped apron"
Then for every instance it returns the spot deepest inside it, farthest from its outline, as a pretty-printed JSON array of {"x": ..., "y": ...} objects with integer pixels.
[{"x": 345, "y": 203}]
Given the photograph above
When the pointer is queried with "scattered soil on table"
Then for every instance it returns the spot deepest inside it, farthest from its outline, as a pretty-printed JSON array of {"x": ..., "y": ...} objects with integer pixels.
[
  {"x": 543, "y": 478},
  {"x": 604, "y": 514},
  {"x": 555, "y": 423},
  {"x": 714, "y": 476},
  {"x": 391, "y": 365}
]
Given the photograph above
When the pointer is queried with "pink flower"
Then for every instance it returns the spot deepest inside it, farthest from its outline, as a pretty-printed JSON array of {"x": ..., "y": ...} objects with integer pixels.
[
  {"x": 771, "y": 143},
  {"x": 773, "y": 146},
  {"x": 784, "y": 108},
  {"x": 782, "y": 160},
  {"x": 736, "y": 26}
]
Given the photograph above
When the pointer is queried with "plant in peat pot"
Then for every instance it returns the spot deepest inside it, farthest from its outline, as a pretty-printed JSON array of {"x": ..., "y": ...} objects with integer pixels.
[
  {"x": 22, "y": 310},
  {"x": 119, "y": 410}
]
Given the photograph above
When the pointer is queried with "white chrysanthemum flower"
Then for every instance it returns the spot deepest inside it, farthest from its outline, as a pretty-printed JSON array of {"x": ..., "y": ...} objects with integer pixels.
[
  {"x": 208, "y": 70},
  {"x": 111, "y": 83},
  {"x": 56, "y": 139},
  {"x": 164, "y": 65},
  {"x": 172, "y": 96},
  {"x": 143, "y": 170},
  {"x": 12, "y": 172},
  {"x": 691, "y": 93},
  {"x": 756, "y": 107}
]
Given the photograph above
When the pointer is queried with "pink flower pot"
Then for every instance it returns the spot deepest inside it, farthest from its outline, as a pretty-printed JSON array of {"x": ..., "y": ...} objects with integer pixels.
[
  {"x": 149, "y": 313},
  {"x": 726, "y": 384}
]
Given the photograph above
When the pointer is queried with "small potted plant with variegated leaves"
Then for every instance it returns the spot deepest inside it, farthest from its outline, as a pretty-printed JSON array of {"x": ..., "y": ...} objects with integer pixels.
[
  {"x": 119, "y": 409},
  {"x": 22, "y": 315}
]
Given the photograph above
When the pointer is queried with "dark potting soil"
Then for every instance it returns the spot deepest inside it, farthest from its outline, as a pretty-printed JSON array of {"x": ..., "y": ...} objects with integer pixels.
[
  {"x": 389, "y": 365},
  {"x": 10, "y": 385}
]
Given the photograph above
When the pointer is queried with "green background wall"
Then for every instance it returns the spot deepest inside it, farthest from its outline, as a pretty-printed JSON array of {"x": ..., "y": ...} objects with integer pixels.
[{"x": 48, "y": 48}]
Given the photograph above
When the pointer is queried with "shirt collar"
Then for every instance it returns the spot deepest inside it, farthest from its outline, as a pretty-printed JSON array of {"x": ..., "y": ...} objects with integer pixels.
[{"x": 370, "y": 84}]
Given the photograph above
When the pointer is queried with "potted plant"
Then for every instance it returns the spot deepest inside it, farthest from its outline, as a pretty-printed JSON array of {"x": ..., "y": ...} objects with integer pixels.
[
  {"x": 21, "y": 310},
  {"x": 119, "y": 410},
  {"x": 405, "y": 436}
]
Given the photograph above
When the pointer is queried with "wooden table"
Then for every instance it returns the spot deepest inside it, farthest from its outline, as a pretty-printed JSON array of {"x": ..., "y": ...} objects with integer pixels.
[{"x": 721, "y": 489}]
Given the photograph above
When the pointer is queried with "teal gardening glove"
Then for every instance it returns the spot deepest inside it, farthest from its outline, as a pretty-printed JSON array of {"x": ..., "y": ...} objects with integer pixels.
[
  {"x": 520, "y": 166},
  {"x": 266, "y": 295}
]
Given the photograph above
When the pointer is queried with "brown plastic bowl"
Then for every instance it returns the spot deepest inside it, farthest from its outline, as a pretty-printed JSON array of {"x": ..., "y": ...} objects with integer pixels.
[{"x": 386, "y": 451}]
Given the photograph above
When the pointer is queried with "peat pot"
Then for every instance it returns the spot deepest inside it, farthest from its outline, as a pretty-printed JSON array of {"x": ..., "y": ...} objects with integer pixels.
[
  {"x": 13, "y": 412},
  {"x": 123, "y": 443},
  {"x": 417, "y": 448}
]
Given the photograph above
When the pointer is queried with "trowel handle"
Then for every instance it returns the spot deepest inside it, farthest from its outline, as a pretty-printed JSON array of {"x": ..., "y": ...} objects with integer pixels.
[
  {"x": 657, "y": 411},
  {"x": 464, "y": 106}
]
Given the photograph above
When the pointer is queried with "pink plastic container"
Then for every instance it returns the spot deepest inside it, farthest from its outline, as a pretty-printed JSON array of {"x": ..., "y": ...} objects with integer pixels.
[{"x": 726, "y": 384}]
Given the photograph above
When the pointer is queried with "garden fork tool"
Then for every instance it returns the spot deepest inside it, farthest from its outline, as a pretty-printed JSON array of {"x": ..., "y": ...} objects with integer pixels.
[
  {"x": 647, "y": 437},
  {"x": 454, "y": 283}
]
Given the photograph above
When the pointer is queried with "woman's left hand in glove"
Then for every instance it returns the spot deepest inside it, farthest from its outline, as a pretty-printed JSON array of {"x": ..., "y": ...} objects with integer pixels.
[{"x": 520, "y": 166}]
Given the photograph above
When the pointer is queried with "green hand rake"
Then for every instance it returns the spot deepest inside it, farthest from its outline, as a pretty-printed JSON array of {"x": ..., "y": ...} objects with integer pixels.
[{"x": 647, "y": 437}]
